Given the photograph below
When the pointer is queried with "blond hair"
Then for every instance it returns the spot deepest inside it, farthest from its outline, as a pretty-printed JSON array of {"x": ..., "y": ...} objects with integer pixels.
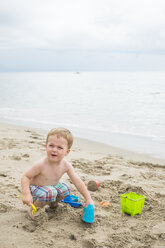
[{"x": 61, "y": 132}]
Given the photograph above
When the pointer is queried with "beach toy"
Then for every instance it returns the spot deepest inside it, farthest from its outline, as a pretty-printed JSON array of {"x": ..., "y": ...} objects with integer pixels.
[
  {"x": 89, "y": 214},
  {"x": 93, "y": 185},
  {"x": 132, "y": 203},
  {"x": 34, "y": 208},
  {"x": 104, "y": 203},
  {"x": 72, "y": 200}
]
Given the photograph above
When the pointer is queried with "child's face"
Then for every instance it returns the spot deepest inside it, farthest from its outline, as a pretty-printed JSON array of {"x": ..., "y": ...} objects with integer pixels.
[{"x": 56, "y": 148}]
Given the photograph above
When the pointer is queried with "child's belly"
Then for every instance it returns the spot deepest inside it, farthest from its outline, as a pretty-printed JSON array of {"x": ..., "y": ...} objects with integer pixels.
[{"x": 43, "y": 181}]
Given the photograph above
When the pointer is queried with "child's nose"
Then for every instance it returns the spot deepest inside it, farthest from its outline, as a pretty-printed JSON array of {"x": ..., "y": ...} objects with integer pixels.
[{"x": 54, "y": 148}]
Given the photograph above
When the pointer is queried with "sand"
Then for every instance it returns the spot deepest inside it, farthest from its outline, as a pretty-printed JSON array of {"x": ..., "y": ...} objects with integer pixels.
[{"x": 117, "y": 170}]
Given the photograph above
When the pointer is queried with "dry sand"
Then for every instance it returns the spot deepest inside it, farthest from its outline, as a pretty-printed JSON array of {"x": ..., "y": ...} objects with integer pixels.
[{"x": 118, "y": 171}]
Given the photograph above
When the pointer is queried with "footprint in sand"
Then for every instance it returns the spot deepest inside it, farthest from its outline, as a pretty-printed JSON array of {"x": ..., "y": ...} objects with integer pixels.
[
  {"x": 31, "y": 141},
  {"x": 72, "y": 237},
  {"x": 26, "y": 155},
  {"x": 88, "y": 244},
  {"x": 15, "y": 157},
  {"x": 19, "y": 157},
  {"x": 3, "y": 208},
  {"x": 125, "y": 177},
  {"x": 3, "y": 175},
  {"x": 34, "y": 137},
  {"x": 28, "y": 131},
  {"x": 30, "y": 227},
  {"x": 51, "y": 212}
]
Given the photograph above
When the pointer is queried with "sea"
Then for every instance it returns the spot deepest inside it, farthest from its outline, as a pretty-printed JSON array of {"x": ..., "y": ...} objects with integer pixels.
[{"x": 122, "y": 109}]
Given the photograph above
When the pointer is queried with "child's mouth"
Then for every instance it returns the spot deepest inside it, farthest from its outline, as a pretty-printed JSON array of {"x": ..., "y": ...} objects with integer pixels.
[{"x": 54, "y": 155}]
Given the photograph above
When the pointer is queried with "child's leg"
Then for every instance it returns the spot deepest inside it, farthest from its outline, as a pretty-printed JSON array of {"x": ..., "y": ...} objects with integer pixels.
[
  {"x": 63, "y": 190},
  {"x": 44, "y": 193},
  {"x": 48, "y": 195},
  {"x": 42, "y": 196}
]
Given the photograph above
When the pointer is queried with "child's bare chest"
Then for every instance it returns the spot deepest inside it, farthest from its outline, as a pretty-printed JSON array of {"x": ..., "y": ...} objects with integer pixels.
[{"x": 52, "y": 175}]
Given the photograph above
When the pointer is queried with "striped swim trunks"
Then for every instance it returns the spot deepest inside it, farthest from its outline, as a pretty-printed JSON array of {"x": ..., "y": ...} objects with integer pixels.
[{"x": 50, "y": 193}]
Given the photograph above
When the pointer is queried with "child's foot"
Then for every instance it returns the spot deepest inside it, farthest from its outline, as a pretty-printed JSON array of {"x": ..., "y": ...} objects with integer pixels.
[
  {"x": 30, "y": 213},
  {"x": 53, "y": 205}
]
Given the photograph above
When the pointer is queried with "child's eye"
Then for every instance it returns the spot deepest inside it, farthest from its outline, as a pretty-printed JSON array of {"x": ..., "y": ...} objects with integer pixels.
[
  {"x": 51, "y": 145},
  {"x": 60, "y": 148}
]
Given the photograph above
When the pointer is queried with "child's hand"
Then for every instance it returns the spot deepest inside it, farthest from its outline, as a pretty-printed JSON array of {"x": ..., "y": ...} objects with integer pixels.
[
  {"x": 27, "y": 199},
  {"x": 89, "y": 201}
]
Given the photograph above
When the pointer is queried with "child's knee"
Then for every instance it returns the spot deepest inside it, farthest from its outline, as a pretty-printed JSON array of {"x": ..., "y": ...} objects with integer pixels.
[
  {"x": 49, "y": 194},
  {"x": 66, "y": 190}
]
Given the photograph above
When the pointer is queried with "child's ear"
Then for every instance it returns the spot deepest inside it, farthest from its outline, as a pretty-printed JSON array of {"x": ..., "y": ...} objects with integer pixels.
[{"x": 68, "y": 151}]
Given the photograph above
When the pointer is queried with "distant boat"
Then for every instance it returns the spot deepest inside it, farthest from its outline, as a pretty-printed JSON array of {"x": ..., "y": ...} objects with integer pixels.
[{"x": 77, "y": 72}]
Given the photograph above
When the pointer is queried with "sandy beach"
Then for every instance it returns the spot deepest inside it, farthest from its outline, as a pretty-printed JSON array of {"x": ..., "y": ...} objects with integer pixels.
[{"x": 119, "y": 171}]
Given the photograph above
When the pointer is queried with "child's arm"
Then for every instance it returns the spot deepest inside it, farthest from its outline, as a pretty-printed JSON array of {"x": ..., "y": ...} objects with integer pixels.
[
  {"x": 79, "y": 185},
  {"x": 25, "y": 183}
]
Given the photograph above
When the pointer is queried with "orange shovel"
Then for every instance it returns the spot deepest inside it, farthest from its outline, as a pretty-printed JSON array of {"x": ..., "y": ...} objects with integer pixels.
[{"x": 104, "y": 203}]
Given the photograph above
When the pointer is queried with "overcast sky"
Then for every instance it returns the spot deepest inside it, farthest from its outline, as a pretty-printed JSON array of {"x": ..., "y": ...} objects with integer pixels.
[{"x": 82, "y": 35}]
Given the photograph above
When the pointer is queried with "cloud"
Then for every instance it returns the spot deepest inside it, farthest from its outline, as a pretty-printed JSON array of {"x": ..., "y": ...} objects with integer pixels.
[
  {"x": 105, "y": 25},
  {"x": 113, "y": 27}
]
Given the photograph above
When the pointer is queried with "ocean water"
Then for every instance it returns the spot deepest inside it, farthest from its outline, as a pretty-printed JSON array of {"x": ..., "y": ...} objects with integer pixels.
[{"x": 123, "y": 109}]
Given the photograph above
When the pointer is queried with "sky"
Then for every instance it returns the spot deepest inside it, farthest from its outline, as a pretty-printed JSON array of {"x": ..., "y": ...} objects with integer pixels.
[{"x": 82, "y": 35}]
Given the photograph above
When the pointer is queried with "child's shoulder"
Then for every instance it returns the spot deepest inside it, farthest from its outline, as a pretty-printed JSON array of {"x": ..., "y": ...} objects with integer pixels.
[
  {"x": 66, "y": 163},
  {"x": 40, "y": 162}
]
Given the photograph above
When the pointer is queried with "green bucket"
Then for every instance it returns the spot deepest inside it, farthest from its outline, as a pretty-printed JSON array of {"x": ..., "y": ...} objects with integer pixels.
[{"x": 132, "y": 203}]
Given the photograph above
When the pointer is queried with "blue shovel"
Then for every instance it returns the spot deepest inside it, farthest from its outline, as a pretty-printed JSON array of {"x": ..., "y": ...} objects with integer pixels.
[{"x": 72, "y": 200}]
